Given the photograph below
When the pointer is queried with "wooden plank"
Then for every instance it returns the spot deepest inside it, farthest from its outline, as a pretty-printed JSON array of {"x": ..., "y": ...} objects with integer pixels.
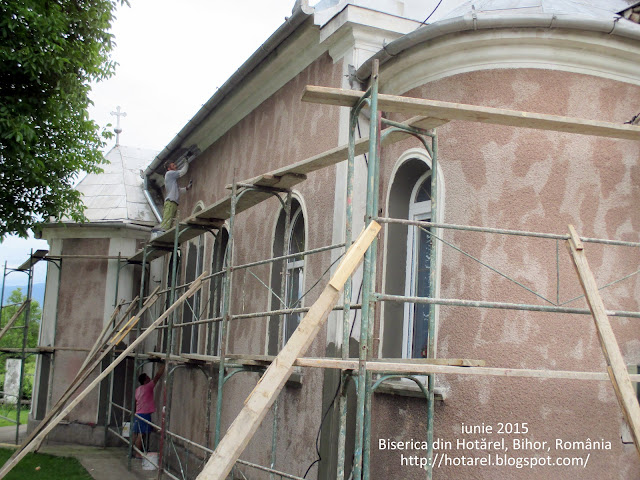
[
  {"x": 353, "y": 256},
  {"x": 262, "y": 360},
  {"x": 447, "y": 111},
  {"x": 119, "y": 336},
  {"x": 339, "y": 154},
  {"x": 455, "y": 362},
  {"x": 382, "y": 366},
  {"x": 575, "y": 238},
  {"x": 28, "y": 445},
  {"x": 286, "y": 181},
  {"x": 617, "y": 368},
  {"x": 265, "y": 392},
  {"x": 105, "y": 329},
  {"x": 13, "y": 319},
  {"x": 122, "y": 330},
  {"x": 286, "y": 177}
]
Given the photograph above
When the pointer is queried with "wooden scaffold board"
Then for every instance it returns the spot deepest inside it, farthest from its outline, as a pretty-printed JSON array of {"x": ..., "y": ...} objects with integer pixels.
[{"x": 446, "y": 111}]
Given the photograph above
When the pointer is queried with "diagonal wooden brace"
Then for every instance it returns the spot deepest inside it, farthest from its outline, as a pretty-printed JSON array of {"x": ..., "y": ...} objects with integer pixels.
[
  {"x": 615, "y": 362},
  {"x": 14, "y": 318}
]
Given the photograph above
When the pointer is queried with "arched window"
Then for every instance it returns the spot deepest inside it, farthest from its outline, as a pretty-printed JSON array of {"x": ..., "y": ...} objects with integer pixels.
[
  {"x": 294, "y": 274},
  {"x": 216, "y": 292},
  {"x": 405, "y": 331}
]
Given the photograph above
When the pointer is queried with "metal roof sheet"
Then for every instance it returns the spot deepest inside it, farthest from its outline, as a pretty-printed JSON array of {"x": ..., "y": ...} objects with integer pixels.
[
  {"x": 117, "y": 192},
  {"x": 591, "y": 8}
]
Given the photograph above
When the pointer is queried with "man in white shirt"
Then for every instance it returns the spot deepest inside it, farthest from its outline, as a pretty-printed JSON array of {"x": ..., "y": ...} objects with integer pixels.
[{"x": 172, "y": 196}]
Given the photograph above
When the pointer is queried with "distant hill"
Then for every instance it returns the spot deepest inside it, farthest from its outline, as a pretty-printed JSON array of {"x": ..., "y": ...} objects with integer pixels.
[{"x": 38, "y": 292}]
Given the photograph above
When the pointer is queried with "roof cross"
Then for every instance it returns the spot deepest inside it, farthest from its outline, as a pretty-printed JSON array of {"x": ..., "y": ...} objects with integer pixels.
[{"x": 118, "y": 130}]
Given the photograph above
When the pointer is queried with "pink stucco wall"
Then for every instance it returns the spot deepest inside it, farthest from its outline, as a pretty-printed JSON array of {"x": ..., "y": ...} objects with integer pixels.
[
  {"x": 80, "y": 317},
  {"x": 537, "y": 181}
]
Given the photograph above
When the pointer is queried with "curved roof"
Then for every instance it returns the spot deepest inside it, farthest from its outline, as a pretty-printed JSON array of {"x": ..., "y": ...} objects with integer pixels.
[{"x": 117, "y": 193}]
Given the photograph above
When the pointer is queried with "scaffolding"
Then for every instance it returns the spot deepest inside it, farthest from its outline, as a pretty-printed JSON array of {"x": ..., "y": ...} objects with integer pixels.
[
  {"x": 366, "y": 372},
  {"x": 23, "y": 351}
]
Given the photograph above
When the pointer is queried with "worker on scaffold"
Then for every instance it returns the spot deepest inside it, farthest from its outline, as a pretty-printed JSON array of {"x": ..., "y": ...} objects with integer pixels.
[
  {"x": 145, "y": 406},
  {"x": 172, "y": 194}
]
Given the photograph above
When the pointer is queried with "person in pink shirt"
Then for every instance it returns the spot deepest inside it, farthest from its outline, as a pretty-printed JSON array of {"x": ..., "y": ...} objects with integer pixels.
[{"x": 145, "y": 406}]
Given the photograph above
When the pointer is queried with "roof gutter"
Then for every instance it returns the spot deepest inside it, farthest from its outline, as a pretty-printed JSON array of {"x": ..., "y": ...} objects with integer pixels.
[
  {"x": 301, "y": 11},
  {"x": 484, "y": 21}
]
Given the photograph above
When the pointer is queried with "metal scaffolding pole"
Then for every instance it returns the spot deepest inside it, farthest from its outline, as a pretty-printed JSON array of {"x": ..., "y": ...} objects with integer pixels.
[
  {"x": 346, "y": 313},
  {"x": 360, "y": 465},
  {"x": 25, "y": 339},
  {"x": 135, "y": 356},
  {"x": 226, "y": 305},
  {"x": 281, "y": 319},
  {"x": 169, "y": 347}
]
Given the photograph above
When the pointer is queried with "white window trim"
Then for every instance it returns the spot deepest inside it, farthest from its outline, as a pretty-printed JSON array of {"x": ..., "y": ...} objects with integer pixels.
[{"x": 423, "y": 155}]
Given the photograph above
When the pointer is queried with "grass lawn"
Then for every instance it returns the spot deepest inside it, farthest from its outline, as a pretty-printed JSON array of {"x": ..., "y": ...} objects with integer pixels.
[
  {"x": 11, "y": 413},
  {"x": 43, "y": 466}
]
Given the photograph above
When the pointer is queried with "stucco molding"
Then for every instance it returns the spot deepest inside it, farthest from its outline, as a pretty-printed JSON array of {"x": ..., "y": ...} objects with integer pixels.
[
  {"x": 588, "y": 53},
  {"x": 362, "y": 29},
  {"x": 95, "y": 230}
]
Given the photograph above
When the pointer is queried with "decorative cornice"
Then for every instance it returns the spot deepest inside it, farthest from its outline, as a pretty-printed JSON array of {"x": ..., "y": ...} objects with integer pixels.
[{"x": 589, "y": 53}]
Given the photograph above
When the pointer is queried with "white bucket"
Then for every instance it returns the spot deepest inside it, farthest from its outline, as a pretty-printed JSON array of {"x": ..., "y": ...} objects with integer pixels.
[{"x": 150, "y": 461}]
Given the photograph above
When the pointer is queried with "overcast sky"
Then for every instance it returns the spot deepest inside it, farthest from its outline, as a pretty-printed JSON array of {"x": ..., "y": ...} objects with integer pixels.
[{"x": 172, "y": 57}]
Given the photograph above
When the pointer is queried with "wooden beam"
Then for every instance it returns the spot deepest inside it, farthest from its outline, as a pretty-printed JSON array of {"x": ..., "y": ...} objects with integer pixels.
[
  {"x": 339, "y": 154},
  {"x": 105, "y": 329},
  {"x": 13, "y": 319},
  {"x": 28, "y": 445},
  {"x": 264, "y": 394},
  {"x": 447, "y": 111},
  {"x": 384, "y": 366},
  {"x": 285, "y": 178},
  {"x": 264, "y": 360},
  {"x": 120, "y": 334},
  {"x": 615, "y": 362}
]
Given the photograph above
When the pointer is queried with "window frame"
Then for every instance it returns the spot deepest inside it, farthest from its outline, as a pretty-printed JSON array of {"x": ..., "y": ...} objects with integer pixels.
[
  {"x": 418, "y": 211},
  {"x": 194, "y": 330},
  {"x": 273, "y": 344},
  {"x": 294, "y": 267},
  {"x": 216, "y": 296}
]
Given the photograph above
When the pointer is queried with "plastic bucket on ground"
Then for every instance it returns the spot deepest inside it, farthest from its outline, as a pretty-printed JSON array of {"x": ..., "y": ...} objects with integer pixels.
[{"x": 150, "y": 461}]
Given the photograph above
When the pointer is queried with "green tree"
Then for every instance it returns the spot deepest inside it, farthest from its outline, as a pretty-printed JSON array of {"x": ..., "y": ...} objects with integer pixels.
[{"x": 50, "y": 52}]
